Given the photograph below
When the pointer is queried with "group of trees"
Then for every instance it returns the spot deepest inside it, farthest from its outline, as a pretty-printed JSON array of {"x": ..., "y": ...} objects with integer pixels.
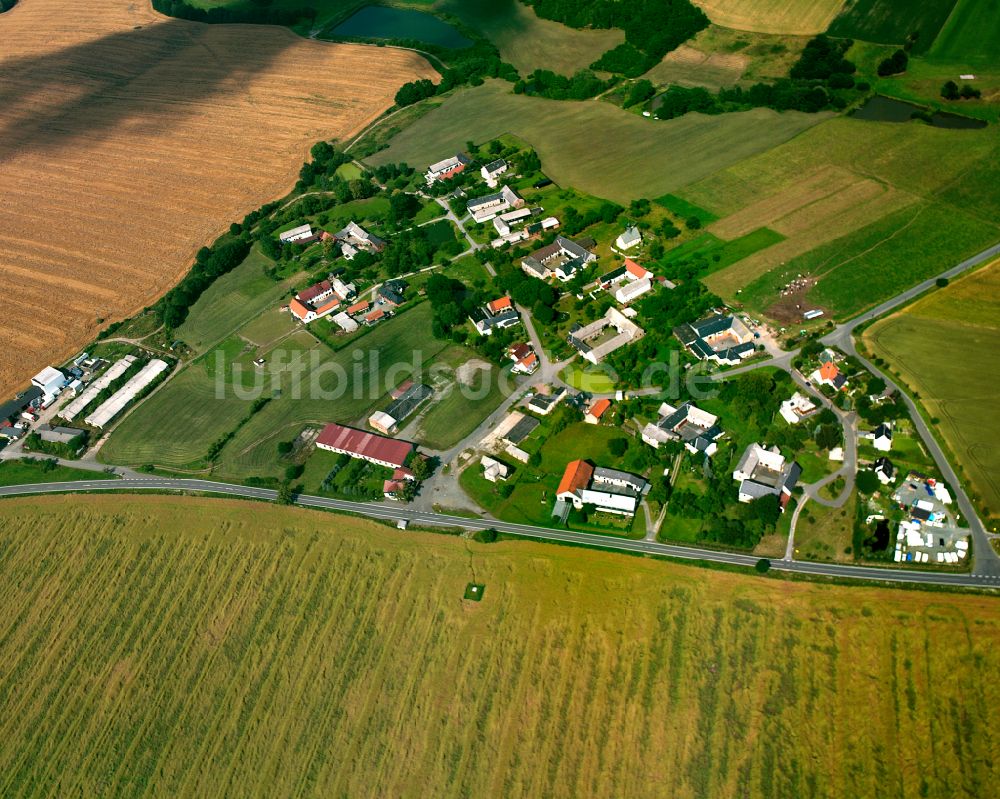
[
  {"x": 546, "y": 83},
  {"x": 7, "y": 5},
  {"x": 469, "y": 65},
  {"x": 652, "y": 27},
  {"x": 893, "y": 65},
  {"x": 263, "y": 12},
  {"x": 950, "y": 91}
]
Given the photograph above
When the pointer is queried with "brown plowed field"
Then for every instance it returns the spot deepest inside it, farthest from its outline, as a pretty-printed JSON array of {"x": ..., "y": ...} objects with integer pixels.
[{"x": 129, "y": 140}]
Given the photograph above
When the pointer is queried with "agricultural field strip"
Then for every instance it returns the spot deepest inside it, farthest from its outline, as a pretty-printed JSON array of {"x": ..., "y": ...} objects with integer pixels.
[{"x": 528, "y": 531}]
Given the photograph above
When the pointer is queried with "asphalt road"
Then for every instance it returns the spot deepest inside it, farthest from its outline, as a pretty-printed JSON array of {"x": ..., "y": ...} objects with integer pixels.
[{"x": 398, "y": 512}]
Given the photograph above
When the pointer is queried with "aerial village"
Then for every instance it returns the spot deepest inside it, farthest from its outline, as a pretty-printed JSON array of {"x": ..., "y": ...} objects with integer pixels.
[{"x": 571, "y": 298}]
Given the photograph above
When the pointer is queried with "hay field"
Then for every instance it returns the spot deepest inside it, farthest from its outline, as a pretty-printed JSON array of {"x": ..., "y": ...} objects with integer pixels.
[
  {"x": 798, "y": 17},
  {"x": 953, "y": 385},
  {"x": 163, "y": 646},
  {"x": 637, "y": 158},
  {"x": 129, "y": 140}
]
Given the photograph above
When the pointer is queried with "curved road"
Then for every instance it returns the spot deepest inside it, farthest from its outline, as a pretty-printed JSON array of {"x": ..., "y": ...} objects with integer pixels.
[{"x": 399, "y": 512}]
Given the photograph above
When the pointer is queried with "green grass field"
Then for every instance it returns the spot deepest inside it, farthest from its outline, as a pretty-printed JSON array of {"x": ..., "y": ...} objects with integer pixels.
[
  {"x": 454, "y": 415},
  {"x": 840, "y": 193},
  {"x": 22, "y": 472},
  {"x": 230, "y": 301},
  {"x": 890, "y": 21},
  {"x": 952, "y": 383},
  {"x": 859, "y": 270},
  {"x": 970, "y": 35},
  {"x": 192, "y": 647},
  {"x": 638, "y": 157}
]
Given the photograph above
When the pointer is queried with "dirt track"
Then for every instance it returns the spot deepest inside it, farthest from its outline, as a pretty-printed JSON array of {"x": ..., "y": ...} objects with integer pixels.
[{"x": 128, "y": 140}]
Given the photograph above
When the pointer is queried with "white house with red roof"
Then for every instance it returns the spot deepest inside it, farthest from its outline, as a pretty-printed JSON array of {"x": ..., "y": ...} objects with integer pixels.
[
  {"x": 446, "y": 168},
  {"x": 596, "y": 410},
  {"x": 318, "y": 300},
  {"x": 373, "y": 448}
]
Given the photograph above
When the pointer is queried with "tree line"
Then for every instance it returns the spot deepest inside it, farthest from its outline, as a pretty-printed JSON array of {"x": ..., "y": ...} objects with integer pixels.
[{"x": 260, "y": 12}]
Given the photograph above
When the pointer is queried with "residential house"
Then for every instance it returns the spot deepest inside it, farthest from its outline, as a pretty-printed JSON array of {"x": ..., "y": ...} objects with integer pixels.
[
  {"x": 698, "y": 429},
  {"x": 594, "y": 342},
  {"x": 544, "y": 404},
  {"x": 318, "y": 300},
  {"x": 608, "y": 490},
  {"x": 524, "y": 358},
  {"x": 353, "y": 238},
  {"x": 764, "y": 472},
  {"x": 367, "y": 446},
  {"x": 503, "y": 223},
  {"x": 447, "y": 168},
  {"x": 344, "y": 290},
  {"x": 561, "y": 258},
  {"x": 494, "y": 470},
  {"x": 884, "y": 470},
  {"x": 303, "y": 234},
  {"x": 483, "y": 209},
  {"x": 358, "y": 308},
  {"x": 630, "y": 238},
  {"x": 726, "y": 340},
  {"x": 829, "y": 374},
  {"x": 391, "y": 293},
  {"x": 493, "y": 170},
  {"x": 497, "y": 314},
  {"x": 596, "y": 410},
  {"x": 374, "y": 317},
  {"x": 797, "y": 408},
  {"x": 882, "y": 437}
]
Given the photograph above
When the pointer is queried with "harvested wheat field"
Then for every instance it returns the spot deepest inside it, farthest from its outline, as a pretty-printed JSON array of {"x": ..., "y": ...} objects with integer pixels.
[
  {"x": 129, "y": 140},
  {"x": 185, "y": 647},
  {"x": 796, "y": 17}
]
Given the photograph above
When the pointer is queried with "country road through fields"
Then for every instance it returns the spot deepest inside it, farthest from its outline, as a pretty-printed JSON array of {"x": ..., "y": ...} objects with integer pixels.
[{"x": 402, "y": 513}]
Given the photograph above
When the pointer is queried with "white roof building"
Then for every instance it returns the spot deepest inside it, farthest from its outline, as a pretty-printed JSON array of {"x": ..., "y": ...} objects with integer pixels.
[
  {"x": 630, "y": 238},
  {"x": 631, "y": 291},
  {"x": 796, "y": 409},
  {"x": 50, "y": 380},
  {"x": 494, "y": 470},
  {"x": 116, "y": 403},
  {"x": 300, "y": 233}
]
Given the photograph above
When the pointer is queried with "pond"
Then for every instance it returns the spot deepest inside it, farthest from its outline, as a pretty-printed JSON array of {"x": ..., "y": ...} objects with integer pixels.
[
  {"x": 886, "y": 109},
  {"x": 381, "y": 22}
]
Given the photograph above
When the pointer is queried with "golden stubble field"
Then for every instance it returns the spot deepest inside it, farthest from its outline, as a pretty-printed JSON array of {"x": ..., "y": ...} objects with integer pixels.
[
  {"x": 798, "y": 17},
  {"x": 181, "y": 646},
  {"x": 129, "y": 140}
]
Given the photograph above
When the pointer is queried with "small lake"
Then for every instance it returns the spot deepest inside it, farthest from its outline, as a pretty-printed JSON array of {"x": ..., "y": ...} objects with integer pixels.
[
  {"x": 888, "y": 109},
  {"x": 381, "y": 22}
]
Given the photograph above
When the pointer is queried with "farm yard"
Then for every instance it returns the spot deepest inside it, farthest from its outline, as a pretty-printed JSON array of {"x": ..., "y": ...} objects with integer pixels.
[
  {"x": 126, "y": 100},
  {"x": 799, "y": 17},
  {"x": 188, "y": 647},
  {"x": 936, "y": 345},
  {"x": 638, "y": 157}
]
